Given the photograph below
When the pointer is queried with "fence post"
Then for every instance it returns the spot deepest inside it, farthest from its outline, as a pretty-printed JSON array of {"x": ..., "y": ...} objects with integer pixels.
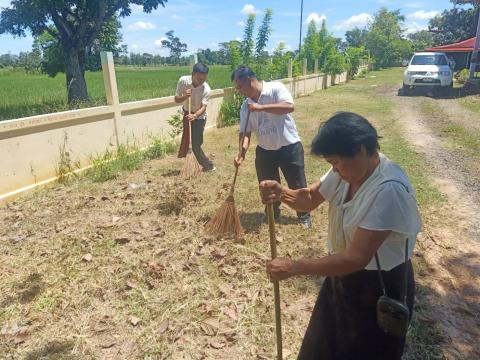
[
  {"x": 111, "y": 90},
  {"x": 304, "y": 76},
  {"x": 315, "y": 71},
  {"x": 290, "y": 76}
]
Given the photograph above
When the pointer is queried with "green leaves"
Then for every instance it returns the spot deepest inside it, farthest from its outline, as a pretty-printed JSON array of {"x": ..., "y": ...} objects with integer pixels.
[{"x": 175, "y": 46}]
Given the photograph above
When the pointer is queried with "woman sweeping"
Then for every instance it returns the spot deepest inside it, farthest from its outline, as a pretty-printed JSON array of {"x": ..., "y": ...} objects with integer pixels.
[{"x": 373, "y": 215}]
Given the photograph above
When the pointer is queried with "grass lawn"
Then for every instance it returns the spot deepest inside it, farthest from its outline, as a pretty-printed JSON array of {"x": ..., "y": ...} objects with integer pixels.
[{"x": 107, "y": 270}]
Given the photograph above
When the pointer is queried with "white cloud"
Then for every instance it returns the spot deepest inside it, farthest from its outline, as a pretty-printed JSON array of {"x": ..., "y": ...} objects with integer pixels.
[
  {"x": 360, "y": 20},
  {"x": 158, "y": 42},
  {"x": 249, "y": 9},
  {"x": 176, "y": 17},
  {"x": 317, "y": 18},
  {"x": 423, "y": 15},
  {"x": 412, "y": 27},
  {"x": 241, "y": 23},
  {"x": 238, "y": 38},
  {"x": 213, "y": 45},
  {"x": 142, "y": 25},
  {"x": 134, "y": 46}
]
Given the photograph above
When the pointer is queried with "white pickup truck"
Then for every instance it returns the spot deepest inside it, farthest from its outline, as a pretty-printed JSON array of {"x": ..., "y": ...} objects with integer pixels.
[{"x": 432, "y": 69}]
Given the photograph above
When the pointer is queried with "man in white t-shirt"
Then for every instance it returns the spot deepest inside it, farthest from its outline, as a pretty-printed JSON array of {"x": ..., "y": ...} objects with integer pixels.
[
  {"x": 270, "y": 105},
  {"x": 194, "y": 87}
]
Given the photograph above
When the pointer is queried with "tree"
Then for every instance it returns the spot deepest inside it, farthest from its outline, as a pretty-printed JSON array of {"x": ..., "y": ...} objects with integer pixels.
[
  {"x": 263, "y": 33},
  {"x": 30, "y": 61},
  {"x": 247, "y": 42},
  {"x": 474, "y": 3},
  {"x": 355, "y": 37},
  {"x": 77, "y": 24},
  {"x": 235, "y": 54},
  {"x": 53, "y": 62},
  {"x": 421, "y": 40},
  {"x": 385, "y": 39},
  {"x": 355, "y": 56},
  {"x": 335, "y": 64},
  {"x": 327, "y": 45},
  {"x": 453, "y": 25},
  {"x": 8, "y": 60},
  {"x": 175, "y": 46},
  {"x": 311, "y": 45}
]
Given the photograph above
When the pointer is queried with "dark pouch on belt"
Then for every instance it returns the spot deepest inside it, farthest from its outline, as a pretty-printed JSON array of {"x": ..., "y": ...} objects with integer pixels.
[{"x": 393, "y": 316}]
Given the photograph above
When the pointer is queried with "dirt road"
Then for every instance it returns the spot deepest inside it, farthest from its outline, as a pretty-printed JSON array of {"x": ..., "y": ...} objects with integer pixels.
[{"x": 452, "y": 242}]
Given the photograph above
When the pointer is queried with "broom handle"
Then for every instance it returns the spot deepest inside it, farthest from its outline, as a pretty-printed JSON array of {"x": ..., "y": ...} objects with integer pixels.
[
  {"x": 276, "y": 287},
  {"x": 189, "y": 122},
  {"x": 240, "y": 153},
  {"x": 234, "y": 181}
]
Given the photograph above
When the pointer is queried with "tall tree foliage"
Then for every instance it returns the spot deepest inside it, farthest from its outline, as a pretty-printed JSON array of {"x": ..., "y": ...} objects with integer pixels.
[
  {"x": 175, "y": 46},
  {"x": 311, "y": 45},
  {"x": 252, "y": 51},
  {"x": 263, "y": 33},
  {"x": 385, "y": 39},
  {"x": 248, "y": 43},
  {"x": 77, "y": 24},
  {"x": 52, "y": 63},
  {"x": 324, "y": 47},
  {"x": 421, "y": 40},
  {"x": 355, "y": 37},
  {"x": 454, "y": 25}
]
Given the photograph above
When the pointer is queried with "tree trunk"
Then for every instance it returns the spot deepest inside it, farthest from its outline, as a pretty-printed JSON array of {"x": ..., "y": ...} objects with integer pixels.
[{"x": 76, "y": 85}]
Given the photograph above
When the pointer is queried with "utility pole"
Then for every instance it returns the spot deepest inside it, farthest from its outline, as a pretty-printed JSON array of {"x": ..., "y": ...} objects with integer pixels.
[
  {"x": 475, "y": 60},
  {"x": 301, "y": 20}
]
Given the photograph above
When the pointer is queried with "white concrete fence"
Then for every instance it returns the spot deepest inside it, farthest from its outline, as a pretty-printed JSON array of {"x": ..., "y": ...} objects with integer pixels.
[{"x": 31, "y": 147}]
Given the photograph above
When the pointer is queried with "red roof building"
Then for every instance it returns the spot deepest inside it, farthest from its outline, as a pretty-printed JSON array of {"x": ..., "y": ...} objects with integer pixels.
[
  {"x": 460, "y": 52},
  {"x": 462, "y": 46}
]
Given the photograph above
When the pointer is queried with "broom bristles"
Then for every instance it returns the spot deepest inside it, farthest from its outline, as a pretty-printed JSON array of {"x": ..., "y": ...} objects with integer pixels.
[
  {"x": 226, "y": 220},
  {"x": 191, "y": 167}
]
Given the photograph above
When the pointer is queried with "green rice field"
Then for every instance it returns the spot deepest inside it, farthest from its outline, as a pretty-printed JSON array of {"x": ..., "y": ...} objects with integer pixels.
[{"x": 24, "y": 94}]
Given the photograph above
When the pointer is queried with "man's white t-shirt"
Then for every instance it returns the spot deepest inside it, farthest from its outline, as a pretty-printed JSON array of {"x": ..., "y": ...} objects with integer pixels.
[
  {"x": 200, "y": 94},
  {"x": 385, "y": 201},
  {"x": 272, "y": 131}
]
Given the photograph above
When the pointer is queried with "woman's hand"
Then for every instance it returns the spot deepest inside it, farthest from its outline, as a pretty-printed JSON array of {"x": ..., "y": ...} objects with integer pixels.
[
  {"x": 270, "y": 191},
  {"x": 280, "y": 269}
]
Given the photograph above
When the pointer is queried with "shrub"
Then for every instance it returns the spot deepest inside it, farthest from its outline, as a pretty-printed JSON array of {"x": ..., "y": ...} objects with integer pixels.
[
  {"x": 462, "y": 76},
  {"x": 176, "y": 122},
  {"x": 230, "y": 109}
]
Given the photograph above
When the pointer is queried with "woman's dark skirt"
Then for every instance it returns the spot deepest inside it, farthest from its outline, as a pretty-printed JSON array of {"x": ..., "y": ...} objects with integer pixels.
[{"x": 344, "y": 326}]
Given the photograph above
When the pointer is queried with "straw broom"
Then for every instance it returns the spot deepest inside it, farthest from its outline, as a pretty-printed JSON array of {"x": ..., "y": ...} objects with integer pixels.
[
  {"x": 191, "y": 167},
  {"x": 276, "y": 287},
  {"x": 226, "y": 220}
]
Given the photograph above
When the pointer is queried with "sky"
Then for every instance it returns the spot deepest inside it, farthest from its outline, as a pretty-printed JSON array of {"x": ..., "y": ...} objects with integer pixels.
[{"x": 206, "y": 23}]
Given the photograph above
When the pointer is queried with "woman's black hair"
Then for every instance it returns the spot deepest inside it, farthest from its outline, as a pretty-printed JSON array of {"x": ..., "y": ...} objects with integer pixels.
[{"x": 343, "y": 134}]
